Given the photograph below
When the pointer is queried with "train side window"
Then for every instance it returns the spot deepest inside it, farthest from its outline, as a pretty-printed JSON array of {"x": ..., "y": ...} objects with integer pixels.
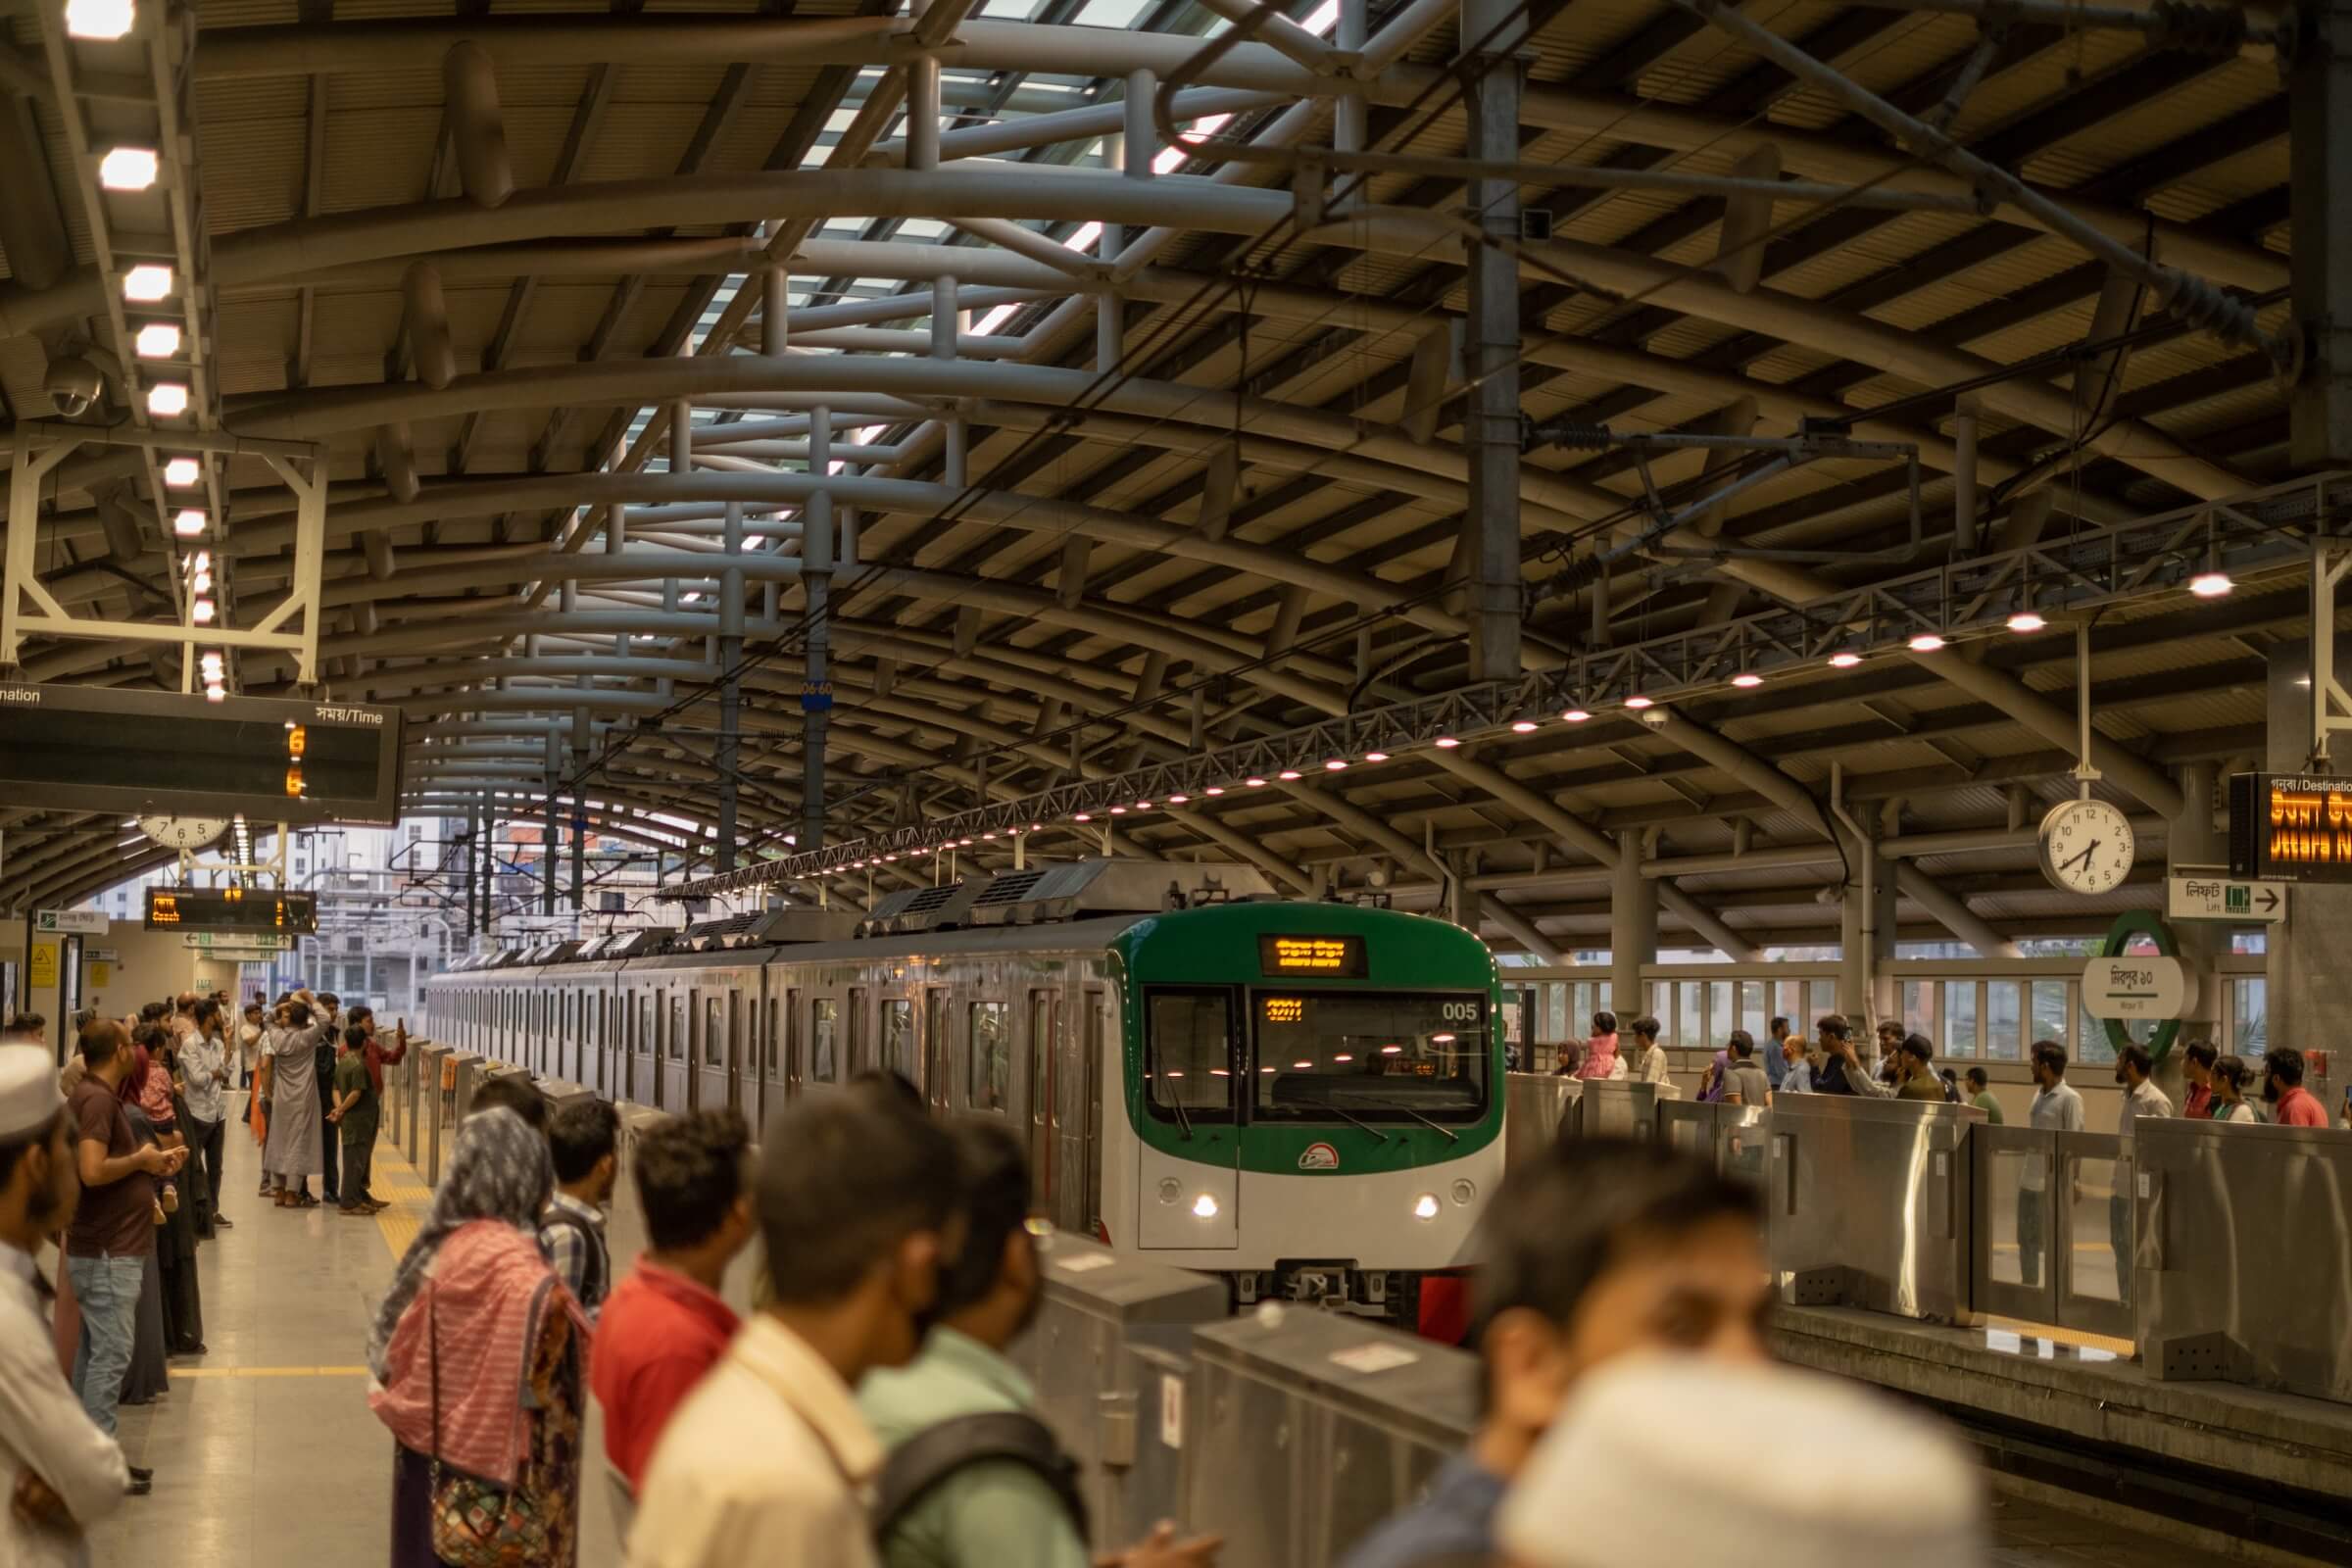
[
  {"x": 678, "y": 1028},
  {"x": 858, "y": 1054},
  {"x": 790, "y": 1074},
  {"x": 898, "y": 1036},
  {"x": 934, "y": 1078},
  {"x": 1188, "y": 1052},
  {"x": 991, "y": 1056},
  {"x": 715, "y": 1044},
  {"x": 771, "y": 1039},
  {"x": 823, "y": 1019}
]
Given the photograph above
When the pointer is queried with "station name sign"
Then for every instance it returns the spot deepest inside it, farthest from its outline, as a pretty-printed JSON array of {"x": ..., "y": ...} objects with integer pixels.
[{"x": 2290, "y": 827}]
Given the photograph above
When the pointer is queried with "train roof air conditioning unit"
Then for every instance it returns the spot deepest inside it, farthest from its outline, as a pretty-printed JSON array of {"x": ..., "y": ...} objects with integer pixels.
[
  {"x": 1082, "y": 889},
  {"x": 803, "y": 924},
  {"x": 912, "y": 910}
]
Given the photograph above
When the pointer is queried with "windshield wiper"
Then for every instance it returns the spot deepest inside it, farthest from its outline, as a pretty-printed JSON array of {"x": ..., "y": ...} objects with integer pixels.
[
  {"x": 1182, "y": 1120},
  {"x": 1342, "y": 1111},
  {"x": 1451, "y": 1136}
]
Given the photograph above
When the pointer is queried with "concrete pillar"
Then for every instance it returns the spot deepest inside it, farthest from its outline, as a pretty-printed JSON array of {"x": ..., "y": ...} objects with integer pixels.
[
  {"x": 1633, "y": 928},
  {"x": 922, "y": 110},
  {"x": 2319, "y": 90},
  {"x": 1867, "y": 910},
  {"x": 2308, "y": 1007},
  {"x": 1490, "y": 551},
  {"x": 681, "y": 437}
]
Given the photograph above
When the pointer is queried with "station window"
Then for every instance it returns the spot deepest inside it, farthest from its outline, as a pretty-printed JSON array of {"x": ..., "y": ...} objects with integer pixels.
[
  {"x": 2004, "y": 1021},
  {"x": 2249, "y": 1021},
  {"x": 990, "y": 1059},
  {"x": 823, "y": 1022},
  {"x": 898, "y": 1035},
  {"x": 2050, "y": 1021},
  {"x": 1188, "y": 1053},
  {"x": 1960, "y": 1007}
]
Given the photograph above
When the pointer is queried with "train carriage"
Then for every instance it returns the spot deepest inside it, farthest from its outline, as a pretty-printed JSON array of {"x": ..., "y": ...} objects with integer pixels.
[{"x": 1305, "y": 1098}]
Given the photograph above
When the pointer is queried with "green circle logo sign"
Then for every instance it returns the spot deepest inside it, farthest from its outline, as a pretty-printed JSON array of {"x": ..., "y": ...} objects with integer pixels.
[{"x": 2130, "y": 926}]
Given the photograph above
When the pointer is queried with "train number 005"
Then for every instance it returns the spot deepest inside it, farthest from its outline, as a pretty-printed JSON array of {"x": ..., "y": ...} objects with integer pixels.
[{"x": 1461, "y": 1011}]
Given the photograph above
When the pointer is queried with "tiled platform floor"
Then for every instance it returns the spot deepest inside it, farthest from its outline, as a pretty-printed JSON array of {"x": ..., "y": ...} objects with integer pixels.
[{"x": 265, "y": 1455}]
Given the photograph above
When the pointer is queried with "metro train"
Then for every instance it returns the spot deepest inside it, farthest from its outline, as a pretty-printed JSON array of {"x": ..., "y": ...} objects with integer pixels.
[{"x": 1305, "y": 1098}]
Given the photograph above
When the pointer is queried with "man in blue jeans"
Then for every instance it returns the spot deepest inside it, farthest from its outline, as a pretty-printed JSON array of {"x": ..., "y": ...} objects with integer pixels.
[{"x": 106, "y": 1244}]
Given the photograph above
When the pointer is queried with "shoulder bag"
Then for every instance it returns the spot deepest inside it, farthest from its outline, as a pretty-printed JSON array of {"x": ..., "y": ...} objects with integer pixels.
[{"x": 477, "y": 1525}]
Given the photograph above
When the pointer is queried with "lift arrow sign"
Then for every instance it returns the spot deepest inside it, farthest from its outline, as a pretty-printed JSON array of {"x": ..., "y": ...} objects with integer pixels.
[{"x": 2235, "y": 900}]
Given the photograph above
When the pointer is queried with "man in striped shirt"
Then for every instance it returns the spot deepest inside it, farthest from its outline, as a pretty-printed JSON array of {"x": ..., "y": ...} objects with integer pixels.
[{"x": 584, "y": 1138}]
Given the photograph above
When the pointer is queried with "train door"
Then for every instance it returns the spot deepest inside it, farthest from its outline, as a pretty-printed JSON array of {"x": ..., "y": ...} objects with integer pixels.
[
  {"x": 660, "y": 1043},
  {"x": 938, "y": 1050},
  {"x": 770, "y": 1095},
  {"x": 896, "y": 1048},
  {"x": 1094, "y": 1010},
  {"x": 1044, "y": 1009},
  {"x": 645, "y": 1080}
]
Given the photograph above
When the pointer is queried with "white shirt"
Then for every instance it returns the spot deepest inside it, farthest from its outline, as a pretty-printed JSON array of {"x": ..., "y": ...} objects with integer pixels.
[
  {"x": 2145, "y": 1100},
  {"x": 2058, "y": 1109},
  {"x": 204, "y": 1067},
  {"x": 766, "y": 1462},
  {"x": 43, "y": 1428}
]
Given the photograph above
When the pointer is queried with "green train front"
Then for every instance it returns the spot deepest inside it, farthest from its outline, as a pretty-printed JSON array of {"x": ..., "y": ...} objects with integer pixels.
[{"x": 1313, "y": 1099}]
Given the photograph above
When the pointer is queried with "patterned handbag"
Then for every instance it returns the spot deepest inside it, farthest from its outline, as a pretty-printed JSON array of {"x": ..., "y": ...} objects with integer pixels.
[{"x": 477, "y": 1525}]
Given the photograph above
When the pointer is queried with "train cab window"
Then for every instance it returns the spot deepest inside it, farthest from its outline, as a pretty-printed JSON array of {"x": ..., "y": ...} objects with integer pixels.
[
  {"x": 898, "y": 1036},
  {"x": 1332, "y": 1056},
  {"x": 990, "y": 1059},
  {"x": 1189, "y": 1052},
  {"x": 715, "y": 1044},
  {"x": 825, "y": 1018}
]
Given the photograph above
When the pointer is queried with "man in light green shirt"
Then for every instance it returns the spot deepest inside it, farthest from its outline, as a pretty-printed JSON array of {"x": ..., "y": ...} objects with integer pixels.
[
  {"x": 991, "y": 1512},
  {"x": 1980, "y": 1094}
]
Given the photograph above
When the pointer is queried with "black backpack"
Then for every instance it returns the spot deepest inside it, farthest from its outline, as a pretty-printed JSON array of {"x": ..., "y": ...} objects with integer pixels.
[
  {"x": 592, "y": 1289},
  {"x": 937, "y": 1452}
]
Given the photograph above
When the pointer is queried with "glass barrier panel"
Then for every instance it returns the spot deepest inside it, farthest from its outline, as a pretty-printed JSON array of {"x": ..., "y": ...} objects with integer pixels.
[{"x": 2099, "y": 1202}]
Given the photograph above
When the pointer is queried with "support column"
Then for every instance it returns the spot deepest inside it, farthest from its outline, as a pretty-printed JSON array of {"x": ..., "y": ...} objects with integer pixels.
[
  {"x": 2319, "y": 91},
  {"x": 579, "y": 858},
  {"x": 1490, "y": 553},
  {"x": 681, "y": 437},
  {"x": 1633, "y": 929},
  {"x": 474, "y": 847},
  {"x": 1867, "y": 911},
  {"x": 2194, "y": 839},
  {"x": 730, "y": 685},
  {"x": 943, "y": 319},
  {"x": 816, "y": 583},
  {"x": 2307, "y": 1003},
  {"x": 774, "y": 321},
  {"x": 549, "y": 829}
]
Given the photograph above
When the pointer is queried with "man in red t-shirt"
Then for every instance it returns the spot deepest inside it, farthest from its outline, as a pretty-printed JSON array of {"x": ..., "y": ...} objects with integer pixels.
[
  {"x": 664, "y": 1325},
  {"x": 2291, "y": 1105},
  {"x": 108, "y": 1237}
]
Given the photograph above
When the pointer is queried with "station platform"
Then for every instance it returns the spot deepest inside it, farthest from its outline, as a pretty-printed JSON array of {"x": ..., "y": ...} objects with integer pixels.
[{"x": 265, "y": 1452}]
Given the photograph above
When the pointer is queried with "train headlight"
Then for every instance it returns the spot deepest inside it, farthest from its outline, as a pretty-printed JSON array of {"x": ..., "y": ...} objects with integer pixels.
[
  {"x": 1205, "y": 1208},
  {"x": 1426, "y": 1206}
]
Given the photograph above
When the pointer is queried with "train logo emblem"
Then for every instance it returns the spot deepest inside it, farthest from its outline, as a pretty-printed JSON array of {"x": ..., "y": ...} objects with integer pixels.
[{"x": 1319, "y": 1157}]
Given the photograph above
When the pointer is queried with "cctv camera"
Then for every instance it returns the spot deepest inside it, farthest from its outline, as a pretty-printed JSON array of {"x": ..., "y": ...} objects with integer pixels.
[{"x": 74, "y": 385}]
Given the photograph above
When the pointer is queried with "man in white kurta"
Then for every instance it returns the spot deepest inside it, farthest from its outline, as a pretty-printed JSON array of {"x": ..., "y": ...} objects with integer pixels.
[{"x": 59, "y": 1474}]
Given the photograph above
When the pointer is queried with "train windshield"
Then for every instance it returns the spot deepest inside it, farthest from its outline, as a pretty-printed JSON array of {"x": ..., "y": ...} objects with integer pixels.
[{"x": 1369, "y": 1055}]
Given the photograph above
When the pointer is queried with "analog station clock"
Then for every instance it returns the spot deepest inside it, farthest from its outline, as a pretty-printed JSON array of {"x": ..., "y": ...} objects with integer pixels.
[
  {"x": 2085, "y": 847},
  {"x": 184, "y": 832}
]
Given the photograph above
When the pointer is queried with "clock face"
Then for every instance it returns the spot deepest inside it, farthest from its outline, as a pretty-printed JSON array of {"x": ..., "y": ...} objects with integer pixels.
[
  {"x": 2085, "y": 847},
  {"x": 184, "y": 832}
]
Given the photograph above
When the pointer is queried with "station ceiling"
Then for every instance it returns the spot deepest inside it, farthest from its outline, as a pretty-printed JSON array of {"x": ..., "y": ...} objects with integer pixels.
[{"x": 1250, "y": 524}]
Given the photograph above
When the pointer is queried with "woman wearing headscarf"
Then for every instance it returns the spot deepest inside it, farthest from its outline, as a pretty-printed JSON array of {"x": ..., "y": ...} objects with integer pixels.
[
  {"x": 292, "y": 1154},
  {"x": 149, "y": 1373},
  {"x": 475, "y": 1364}
]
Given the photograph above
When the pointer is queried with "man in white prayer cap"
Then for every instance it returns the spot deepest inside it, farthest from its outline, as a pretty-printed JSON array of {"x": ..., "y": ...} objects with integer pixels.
[
  {"x": 60, "y": 1472},
  {"x": 1642, "y": 1417}
]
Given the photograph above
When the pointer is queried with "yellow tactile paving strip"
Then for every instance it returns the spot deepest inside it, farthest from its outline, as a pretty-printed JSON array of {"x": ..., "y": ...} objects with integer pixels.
[{"x": 400, "y": 1184}]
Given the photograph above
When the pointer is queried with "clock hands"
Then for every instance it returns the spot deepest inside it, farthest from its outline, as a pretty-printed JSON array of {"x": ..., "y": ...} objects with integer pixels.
[{"x": 2088, "y": 851}]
